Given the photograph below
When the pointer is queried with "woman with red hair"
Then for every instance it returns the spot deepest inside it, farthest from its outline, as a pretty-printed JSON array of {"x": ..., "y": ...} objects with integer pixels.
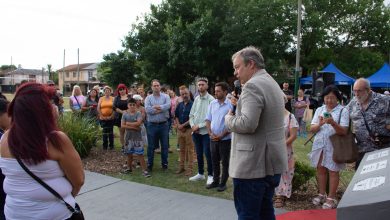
[
  {"x": 120, "y": 107},
  {"x": 36, "y": 142}
]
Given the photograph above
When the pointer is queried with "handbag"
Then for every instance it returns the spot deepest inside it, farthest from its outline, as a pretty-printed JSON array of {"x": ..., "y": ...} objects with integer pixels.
[
  {"x": 77, "y": 214},
  {"x": 308, "y": 115},
  {"x": 345, "y": 149}
]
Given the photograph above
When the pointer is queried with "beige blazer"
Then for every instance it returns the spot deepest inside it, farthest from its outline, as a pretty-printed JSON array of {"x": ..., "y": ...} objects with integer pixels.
[{"x": 258, "y": 141}]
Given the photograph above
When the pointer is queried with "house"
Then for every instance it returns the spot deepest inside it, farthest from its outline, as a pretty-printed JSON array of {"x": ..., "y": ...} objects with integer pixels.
[
  {"x": 11, "y": 79},
  {"x": 85, "y": 75}
]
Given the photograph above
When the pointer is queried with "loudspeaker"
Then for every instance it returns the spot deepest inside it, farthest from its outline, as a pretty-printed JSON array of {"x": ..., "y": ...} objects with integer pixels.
[{"x": 328, "y": 78}]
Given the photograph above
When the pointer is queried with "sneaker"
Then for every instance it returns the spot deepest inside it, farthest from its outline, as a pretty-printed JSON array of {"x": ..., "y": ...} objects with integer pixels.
[
  {"x": 221, "y": 188},
  {"x": 146, "y": 174},
  {"x": 197, "y": 177},
  {"x": 212, "y": 185},
  {"x": 210, "y": 180},
  {"x": 164, "y": 168},
  {"x": 126, "y": 171}
]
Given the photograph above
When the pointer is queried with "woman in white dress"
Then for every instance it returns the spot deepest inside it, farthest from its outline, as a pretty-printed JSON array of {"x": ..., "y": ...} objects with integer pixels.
[{"x": 326, "y": 123}]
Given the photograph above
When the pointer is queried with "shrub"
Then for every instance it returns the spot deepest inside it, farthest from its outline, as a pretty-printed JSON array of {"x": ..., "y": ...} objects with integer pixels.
[
  {"x": 82, "y": 131},
  {"x": 302, "y": 174}
]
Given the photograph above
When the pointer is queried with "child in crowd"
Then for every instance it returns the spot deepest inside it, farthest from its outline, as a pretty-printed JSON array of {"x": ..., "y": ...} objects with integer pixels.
[
  {"x": 5, "y": 122},
  {"x": 131, "y": 121}
]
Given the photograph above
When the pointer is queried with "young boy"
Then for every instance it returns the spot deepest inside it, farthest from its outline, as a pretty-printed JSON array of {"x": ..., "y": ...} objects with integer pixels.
[
  {"x": 131, "y": 121},
  {"x": 5, "y": 122}
]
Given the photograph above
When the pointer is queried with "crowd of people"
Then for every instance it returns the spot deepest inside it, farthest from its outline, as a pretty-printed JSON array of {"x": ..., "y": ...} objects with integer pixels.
[{"x": 246, "y": 136}]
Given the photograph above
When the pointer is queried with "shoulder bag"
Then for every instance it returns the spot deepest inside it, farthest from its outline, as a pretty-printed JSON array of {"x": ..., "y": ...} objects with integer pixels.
[
  {"x": 345, "y": 149},
  {"x": 77, "y": 214}
]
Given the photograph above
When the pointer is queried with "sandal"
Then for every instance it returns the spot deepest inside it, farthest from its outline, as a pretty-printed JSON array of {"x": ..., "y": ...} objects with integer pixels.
[
  {"x": 279, "y": 202},
  {"x": 319, "y": 199},
  {"x": 330, "y": 204},
  {"x": 126, "y": 171}
]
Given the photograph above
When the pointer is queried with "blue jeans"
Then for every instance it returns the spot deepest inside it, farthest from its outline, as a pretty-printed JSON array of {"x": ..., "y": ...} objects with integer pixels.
[
  {"x": 157, "y": 133},
  {"x": 202, "y": 145},
  {"x": 253, "y": 197}
]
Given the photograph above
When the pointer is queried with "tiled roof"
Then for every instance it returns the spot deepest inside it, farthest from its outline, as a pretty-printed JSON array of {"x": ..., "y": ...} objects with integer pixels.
[
  {"x": 91, "y": 67},
  {"x": 26, "y": 72},
  {"x": 73, "y": 67}
]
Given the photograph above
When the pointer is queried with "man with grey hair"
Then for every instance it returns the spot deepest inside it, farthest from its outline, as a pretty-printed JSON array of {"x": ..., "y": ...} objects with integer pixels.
[
  {"x": 258, "y": 152},
  {"x": 370, "y": 115}
]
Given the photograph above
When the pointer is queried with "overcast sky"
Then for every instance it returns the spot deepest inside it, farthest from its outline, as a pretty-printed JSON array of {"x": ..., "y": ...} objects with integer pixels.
[{"x": 36, "y": 32}]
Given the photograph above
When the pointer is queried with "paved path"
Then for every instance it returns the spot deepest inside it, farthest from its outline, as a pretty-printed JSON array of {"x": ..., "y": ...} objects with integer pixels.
[{"x": 104, "y": 197}]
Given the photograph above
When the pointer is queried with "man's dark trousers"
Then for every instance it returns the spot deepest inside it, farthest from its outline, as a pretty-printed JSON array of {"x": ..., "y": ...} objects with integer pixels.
[
  {"x": 220, "y": 153},
  {"x": 253, "y": 197}
]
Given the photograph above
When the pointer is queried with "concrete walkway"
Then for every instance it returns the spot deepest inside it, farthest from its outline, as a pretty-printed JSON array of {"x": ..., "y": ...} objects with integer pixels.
[{"x": 104, "y": 197}]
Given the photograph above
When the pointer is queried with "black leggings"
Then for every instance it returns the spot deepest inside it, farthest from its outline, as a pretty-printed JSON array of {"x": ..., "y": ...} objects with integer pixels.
[{"x": 108, "y": 133}]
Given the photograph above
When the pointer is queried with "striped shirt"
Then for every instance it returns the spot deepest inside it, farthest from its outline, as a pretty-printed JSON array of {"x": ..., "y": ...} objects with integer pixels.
[{"x": 163, "y": 101}]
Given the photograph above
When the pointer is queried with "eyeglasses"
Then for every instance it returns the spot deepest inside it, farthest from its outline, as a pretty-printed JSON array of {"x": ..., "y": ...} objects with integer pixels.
[{"x": 359, "y": 90}]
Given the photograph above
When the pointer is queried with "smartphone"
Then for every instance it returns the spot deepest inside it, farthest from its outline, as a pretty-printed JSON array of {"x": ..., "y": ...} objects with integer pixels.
[{"x": 327, "y": 115}]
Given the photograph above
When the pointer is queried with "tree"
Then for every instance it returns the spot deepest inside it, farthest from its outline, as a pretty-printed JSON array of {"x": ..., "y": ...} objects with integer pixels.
[
  {"x": 118, "y": 68},
  {"x": 7, "y": 67},
  {"x": 49, "y": 71},
  {"x": 181, "y": 39}
]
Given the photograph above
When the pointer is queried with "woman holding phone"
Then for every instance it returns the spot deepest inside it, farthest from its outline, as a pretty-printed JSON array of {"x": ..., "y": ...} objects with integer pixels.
[{"x": 324, "y": 124}]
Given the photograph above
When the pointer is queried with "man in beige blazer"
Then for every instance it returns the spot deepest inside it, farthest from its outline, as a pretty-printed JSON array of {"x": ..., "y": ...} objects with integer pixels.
[{"x": 258, "y": 154}]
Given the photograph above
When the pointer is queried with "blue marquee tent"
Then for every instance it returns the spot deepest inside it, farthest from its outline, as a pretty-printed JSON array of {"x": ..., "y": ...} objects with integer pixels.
[
  {"x": 381, "y": 78},
  {"x": 340, "y": 77}
]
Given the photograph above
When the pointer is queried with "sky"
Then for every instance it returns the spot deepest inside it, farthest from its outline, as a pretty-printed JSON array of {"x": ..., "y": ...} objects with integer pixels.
[{"x": 36, "y": 32}]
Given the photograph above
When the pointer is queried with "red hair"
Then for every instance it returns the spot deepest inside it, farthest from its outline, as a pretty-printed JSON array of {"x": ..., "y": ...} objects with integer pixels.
[
  {"x": 32, "y": 123},
  {"x": 121, "y": 86}
]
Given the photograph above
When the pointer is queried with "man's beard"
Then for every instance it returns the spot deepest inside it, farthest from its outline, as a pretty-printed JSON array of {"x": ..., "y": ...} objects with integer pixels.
[{"x": 362, "y": 99}]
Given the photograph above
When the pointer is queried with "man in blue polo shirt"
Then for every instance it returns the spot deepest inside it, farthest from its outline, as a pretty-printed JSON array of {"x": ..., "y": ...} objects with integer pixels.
[{"x": 220, "y": 138}]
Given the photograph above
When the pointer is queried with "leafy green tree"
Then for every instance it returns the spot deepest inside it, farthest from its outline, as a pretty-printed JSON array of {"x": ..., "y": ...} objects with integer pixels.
[
  {"x": 118, "y": 68},
  {"x": 7, "y": 67},
  {"x": 181, "y": 39}
]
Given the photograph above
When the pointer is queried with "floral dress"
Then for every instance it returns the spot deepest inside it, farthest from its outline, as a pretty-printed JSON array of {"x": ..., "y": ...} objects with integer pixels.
[
  {"x": 285, "y": 185},
  {"x": 322, "y": 141}
]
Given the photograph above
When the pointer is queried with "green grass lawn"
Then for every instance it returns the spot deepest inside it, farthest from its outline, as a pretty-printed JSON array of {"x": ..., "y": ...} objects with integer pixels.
[{"x": 168, "y": 179}]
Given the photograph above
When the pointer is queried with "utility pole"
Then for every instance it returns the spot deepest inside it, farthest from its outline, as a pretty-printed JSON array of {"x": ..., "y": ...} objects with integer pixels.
[
  {"x": 78, "y": 67},
  {"x": 297, "y": 68}
]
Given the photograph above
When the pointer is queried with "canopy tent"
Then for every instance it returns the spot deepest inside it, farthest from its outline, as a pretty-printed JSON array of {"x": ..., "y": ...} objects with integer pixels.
[
  {"x": 381, "y": 78},
  {"x": 340, "y": 77}
]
